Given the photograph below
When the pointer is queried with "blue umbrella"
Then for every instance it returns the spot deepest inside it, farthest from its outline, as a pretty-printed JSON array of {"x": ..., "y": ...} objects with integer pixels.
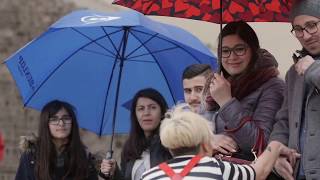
[{"x": 98, "y": 61}]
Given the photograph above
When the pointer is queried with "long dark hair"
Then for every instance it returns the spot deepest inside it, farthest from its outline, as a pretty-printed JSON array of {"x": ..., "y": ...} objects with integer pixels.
[
  {"x": 77, "y": 163},
  {"x": 247, "y": 34},
  {"x": 137, "y": 141}
]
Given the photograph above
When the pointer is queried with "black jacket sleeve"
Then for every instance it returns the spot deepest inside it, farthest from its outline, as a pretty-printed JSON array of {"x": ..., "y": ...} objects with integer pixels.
[{"x": 25, "y": 170}]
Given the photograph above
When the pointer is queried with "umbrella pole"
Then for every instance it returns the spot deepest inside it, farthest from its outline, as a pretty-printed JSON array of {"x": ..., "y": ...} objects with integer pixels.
[
  {"x": 125, "y": 40},
  {"x": 220, "y": 39}
]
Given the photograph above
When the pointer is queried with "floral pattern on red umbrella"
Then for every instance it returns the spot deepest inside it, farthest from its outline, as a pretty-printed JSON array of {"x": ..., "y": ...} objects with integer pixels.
[{"x": 209, "y": 10}]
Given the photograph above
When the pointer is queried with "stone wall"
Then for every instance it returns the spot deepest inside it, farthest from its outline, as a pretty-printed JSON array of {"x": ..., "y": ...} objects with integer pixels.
[{"x": 21, "y": 21}]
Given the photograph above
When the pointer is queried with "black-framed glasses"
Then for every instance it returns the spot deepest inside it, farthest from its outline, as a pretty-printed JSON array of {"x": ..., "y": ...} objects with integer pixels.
[
  {"x": 55, "y": 120},
  {"x": 311, "y": 28},
  {"x": 238, "y": 50}
]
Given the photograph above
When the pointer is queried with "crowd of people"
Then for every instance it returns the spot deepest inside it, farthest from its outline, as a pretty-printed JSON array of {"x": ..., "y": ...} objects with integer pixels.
[{"x": 226, "y": 113}]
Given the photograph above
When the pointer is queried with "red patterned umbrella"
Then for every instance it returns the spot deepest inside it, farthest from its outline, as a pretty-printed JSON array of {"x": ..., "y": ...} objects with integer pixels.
[{"x": 210, "y": 10}]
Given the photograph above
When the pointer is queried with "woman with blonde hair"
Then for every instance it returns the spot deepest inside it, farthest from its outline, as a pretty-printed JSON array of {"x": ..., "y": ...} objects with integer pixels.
[{"x": 188, "y": 137}]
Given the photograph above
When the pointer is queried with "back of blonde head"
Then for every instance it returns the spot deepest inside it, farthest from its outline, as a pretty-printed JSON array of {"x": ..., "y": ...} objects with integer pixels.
[{"x": 183, "y": 128}]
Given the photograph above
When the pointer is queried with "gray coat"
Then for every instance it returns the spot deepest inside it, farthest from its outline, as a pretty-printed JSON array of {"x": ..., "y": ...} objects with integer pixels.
[
  {"x": 287, "y": 127},
  {"x": 262, "y": 104}
]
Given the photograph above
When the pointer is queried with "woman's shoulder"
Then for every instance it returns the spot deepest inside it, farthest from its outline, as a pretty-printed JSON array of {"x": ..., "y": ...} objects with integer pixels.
[
  {"x": 27, "y": 144},
  {"x": 273, "y": 87},
  {"x": 94, "y": 159},
  {"x": 158, "y": 149},
  {"x": 273, "y": 83},
  {"x": 156, "y": 143}
]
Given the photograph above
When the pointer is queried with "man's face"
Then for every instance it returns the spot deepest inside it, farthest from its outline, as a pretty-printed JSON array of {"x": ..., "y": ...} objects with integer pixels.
[
  {"x": 192, "y": 89},
  {"x": 310, "y": 41}
]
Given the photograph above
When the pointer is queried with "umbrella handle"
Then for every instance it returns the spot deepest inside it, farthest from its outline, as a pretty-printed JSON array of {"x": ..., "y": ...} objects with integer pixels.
[{"x": 109, "y": 154}]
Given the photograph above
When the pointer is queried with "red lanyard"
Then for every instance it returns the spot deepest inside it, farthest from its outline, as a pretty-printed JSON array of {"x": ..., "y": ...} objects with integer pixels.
[{"x": 179, "y": 176}]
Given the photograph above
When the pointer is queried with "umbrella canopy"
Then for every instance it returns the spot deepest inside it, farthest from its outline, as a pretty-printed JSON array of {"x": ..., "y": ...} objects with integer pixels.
[
  {"x": 98, "y": 61},
  {"x": 211, "y": 10},
  {"x": 216, "y": 11}
]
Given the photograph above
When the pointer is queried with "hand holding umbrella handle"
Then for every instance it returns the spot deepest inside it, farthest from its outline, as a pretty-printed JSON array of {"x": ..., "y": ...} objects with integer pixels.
[
  {"x": 108, "y": 166},
  {"x": 109, "y": 156}
]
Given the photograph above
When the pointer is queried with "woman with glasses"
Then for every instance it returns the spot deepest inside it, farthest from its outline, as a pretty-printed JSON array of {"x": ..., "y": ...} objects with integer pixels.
[
  {"x": 143, "y": 149},
  {"x": 247, "y": 91},
  {"x": 57, "y": 153}
]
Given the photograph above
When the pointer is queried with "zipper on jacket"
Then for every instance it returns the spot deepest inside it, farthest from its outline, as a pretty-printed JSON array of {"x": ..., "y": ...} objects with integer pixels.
[
  {"x": 305, "y": 126},
  {"x": 300, "y": 114},
  {"x": 297, "y": 171}
]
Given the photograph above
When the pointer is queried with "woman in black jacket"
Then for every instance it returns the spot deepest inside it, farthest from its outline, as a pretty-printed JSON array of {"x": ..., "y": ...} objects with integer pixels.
[
  {"x": 143, "y": 149},
  {"x": 57, "y": 153}
]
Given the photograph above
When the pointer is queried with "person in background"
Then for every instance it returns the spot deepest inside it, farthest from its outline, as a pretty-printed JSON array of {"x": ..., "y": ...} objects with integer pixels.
[
  {"x": 57, "y": 153},
  {"x": 298, "y": 123},
  {"x": 188, "y": 137},
  {"x": 247, "y": 91},
  {"x": 193, "y": 79},
  {"x": 143, "y": 149}
]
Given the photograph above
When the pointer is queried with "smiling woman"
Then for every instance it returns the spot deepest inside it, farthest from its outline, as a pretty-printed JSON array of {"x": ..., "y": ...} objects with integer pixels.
[{"x": 248, "y": 87}]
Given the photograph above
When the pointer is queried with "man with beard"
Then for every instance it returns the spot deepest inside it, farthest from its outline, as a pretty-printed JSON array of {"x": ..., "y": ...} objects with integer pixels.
[
  {"x": 194, "y": 78},
  {"x": 298, "y": 123}
]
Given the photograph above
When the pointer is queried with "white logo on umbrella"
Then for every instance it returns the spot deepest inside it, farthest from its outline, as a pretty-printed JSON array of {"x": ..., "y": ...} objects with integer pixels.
[{"x": 97, "y": 18}]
